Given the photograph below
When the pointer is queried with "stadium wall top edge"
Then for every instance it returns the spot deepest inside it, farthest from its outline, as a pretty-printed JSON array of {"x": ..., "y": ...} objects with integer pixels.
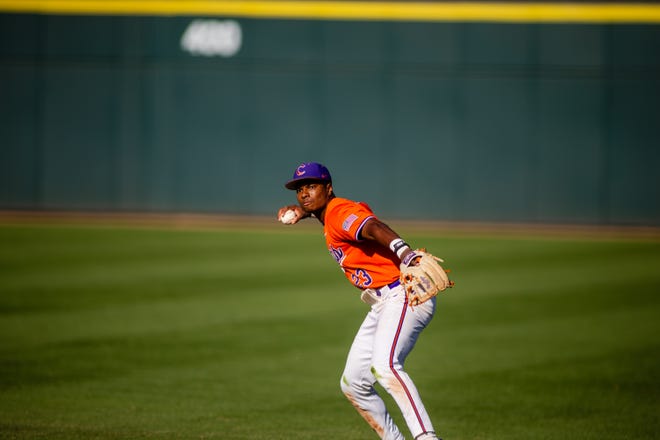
[{"x": 503, "y": 12}]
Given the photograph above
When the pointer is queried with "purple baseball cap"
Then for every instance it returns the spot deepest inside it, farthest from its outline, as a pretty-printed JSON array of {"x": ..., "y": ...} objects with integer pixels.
[{"x": 309, "y": 171}]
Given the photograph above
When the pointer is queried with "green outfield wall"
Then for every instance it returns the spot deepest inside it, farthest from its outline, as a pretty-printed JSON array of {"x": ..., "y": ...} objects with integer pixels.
[{"x": 440, "y": 120}]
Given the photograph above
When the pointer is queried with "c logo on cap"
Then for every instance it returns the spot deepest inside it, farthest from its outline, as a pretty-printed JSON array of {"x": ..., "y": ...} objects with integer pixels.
[{"x": 301, "y": 170}]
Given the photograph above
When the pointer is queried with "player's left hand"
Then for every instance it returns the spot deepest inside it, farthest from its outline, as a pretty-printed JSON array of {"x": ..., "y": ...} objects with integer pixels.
[{"x": 423, "y": 277}]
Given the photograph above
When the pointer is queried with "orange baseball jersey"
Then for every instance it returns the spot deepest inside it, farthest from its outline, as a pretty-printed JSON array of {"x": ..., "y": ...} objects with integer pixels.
[{"x": 365, "y": 263}]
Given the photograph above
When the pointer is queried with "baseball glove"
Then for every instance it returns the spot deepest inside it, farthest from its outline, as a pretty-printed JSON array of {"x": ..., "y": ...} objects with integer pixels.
[{"x": 423, "y": 277}]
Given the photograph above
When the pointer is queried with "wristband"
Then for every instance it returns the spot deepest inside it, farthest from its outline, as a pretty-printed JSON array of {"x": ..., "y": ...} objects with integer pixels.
[{"x": 398, "y": 246}]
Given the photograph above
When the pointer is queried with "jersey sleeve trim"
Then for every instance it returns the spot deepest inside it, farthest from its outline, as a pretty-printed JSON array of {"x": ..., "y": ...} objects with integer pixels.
[{"x": 358, "y": 231}]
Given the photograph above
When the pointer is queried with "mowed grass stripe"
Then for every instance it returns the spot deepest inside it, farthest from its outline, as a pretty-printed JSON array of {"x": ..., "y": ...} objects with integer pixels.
[{"x": 237, "y": 334}]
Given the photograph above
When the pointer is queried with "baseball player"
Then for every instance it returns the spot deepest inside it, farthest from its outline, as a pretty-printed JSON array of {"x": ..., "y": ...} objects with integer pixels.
[{"x": 372, "y": 256}]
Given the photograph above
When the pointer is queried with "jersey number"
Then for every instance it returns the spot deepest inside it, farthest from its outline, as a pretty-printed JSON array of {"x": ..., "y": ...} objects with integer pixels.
[{"x": 361, "y": 278}]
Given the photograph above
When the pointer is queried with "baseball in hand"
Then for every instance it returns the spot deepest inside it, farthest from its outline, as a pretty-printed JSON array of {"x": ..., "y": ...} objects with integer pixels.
[{"x": 288, "y": 217}]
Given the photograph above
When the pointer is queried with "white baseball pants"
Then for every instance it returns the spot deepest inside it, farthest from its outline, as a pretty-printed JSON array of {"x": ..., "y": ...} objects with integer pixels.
[{"x": 384, "y": 340}]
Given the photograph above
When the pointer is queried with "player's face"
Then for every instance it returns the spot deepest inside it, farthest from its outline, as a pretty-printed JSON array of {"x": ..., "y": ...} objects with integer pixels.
[{"x": 313, "y": 196}]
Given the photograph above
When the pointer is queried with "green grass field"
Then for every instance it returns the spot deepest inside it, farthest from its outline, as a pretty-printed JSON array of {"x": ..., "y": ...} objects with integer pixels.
[{"x": 129, "y": 333}]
